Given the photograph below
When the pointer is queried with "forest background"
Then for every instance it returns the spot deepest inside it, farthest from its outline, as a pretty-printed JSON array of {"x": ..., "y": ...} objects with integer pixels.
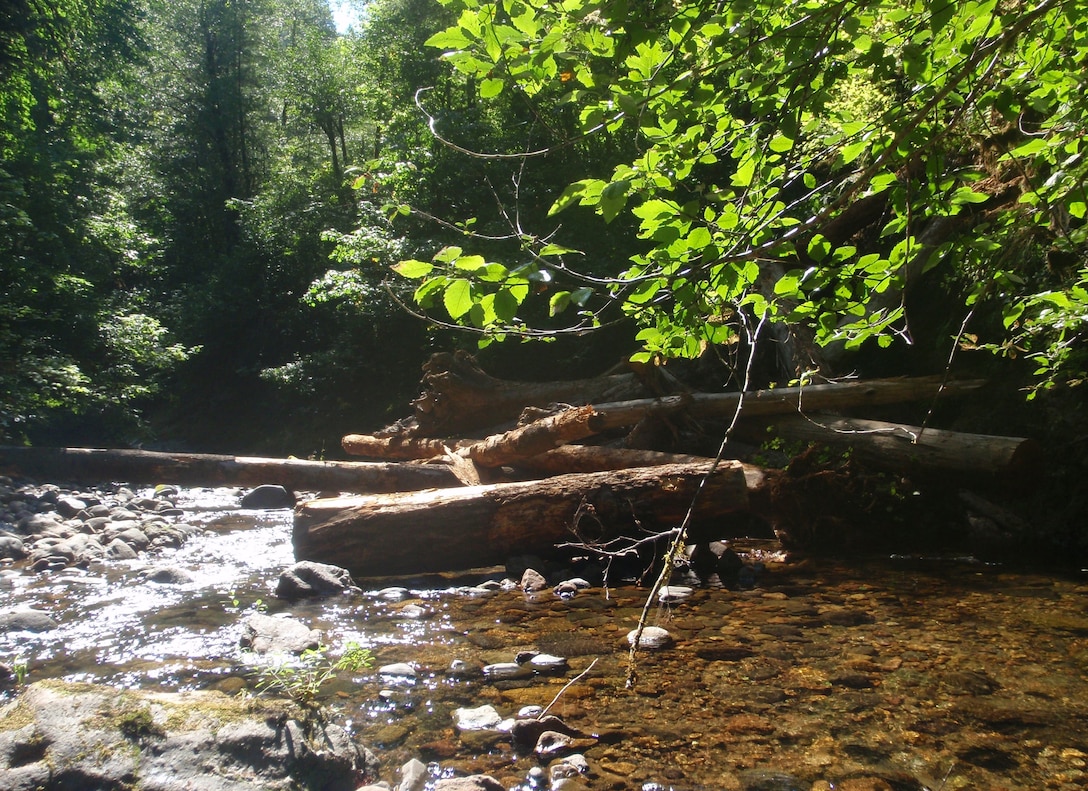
[{"x": 227, "y": 226}]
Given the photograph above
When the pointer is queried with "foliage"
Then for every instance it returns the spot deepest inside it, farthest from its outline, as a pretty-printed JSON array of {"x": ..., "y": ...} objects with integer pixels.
[
  {"x": 69, "y": 244},
  {"x": 811, "y": 163},
  {"x": 302, "y": 680}
]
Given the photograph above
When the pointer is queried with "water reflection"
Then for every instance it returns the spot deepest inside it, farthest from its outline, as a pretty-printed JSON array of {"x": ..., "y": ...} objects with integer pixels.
[{"x": 896, "y": 674}]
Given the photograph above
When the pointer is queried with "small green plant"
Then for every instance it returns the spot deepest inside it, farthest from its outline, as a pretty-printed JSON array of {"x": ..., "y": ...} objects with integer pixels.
[
  {"x": 21, "y": 668},
  {"x": 302, "y": 680}
]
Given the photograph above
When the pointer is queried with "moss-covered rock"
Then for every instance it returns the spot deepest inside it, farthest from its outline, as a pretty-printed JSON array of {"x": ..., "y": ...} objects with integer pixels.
[{"x": 59, "y": 735}]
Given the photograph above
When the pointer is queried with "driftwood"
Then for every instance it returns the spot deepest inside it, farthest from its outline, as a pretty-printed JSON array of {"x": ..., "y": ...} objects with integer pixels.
[
  {"x": 471, "y": 527},
  {"x": 597, "y": 458},
  {"x": 579, "y": 423},
  {"x": 910, "y": 449},
  {"x": 397, "y": 448},
  {"x": 93, "y": 465},
  {"x": 460, "y": 398}
]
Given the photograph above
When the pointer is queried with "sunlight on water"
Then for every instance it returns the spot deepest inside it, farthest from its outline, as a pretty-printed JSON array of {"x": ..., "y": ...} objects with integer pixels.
[{"x": 921, "y": 672}]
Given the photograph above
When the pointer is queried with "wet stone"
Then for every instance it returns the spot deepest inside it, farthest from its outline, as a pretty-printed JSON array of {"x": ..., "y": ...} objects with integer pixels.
[{"x": 652, "y": 638}]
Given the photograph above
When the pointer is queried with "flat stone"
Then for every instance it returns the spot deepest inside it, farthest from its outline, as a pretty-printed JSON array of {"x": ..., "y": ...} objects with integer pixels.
[{"x": 26, "y": 621}]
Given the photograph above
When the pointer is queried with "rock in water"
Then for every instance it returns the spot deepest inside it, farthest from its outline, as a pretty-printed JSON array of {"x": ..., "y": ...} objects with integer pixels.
[
  {"x": 99, "y": 737},
  {"x": 26, "y": 621},
  {"x": 265, "y": 634},
  {"x": 268, "y": 496},
  {"x": 307, "y": 578},
  {"x": 652, "y": 637}
]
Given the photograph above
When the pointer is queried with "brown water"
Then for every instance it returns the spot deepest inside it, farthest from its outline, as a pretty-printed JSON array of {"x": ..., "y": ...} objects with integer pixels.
[{"x": 883, "y": 674}]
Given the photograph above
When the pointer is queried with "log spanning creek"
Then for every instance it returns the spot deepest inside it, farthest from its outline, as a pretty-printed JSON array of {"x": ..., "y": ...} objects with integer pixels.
[{"x": 895, "y": 673}]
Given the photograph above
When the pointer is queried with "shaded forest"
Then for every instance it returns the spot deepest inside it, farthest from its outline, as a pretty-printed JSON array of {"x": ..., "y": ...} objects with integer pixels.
[{"x": 226, "y": 226}]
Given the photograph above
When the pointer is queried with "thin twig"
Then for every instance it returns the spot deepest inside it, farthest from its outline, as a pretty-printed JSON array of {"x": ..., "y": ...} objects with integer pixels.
[{"x": 566, "y": 686}]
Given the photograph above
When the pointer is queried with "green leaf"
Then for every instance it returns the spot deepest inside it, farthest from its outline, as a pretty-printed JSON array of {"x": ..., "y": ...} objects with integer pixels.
[
  {"x": 967, "y": 195},
  {"x": 413, "y": 269},
  {"x": 458, "y": 298},
  {"x": 451, "y": 38},
  {"x": 470, "y": 263},
  {"x": 447, "y": 255},
  {"x": 780, "y": 143},
  {"x": 491, "y": 87},
  {"x": 613, "y": 198},
  {"x": 559, "y": 302}
]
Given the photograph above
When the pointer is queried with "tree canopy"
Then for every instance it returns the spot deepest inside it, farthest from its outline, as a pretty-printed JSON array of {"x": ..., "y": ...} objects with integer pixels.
[{"x": 815, "y": 165}]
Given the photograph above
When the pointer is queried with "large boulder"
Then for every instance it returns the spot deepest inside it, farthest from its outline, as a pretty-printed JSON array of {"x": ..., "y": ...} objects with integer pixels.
[{"x": 58, "y": 735}]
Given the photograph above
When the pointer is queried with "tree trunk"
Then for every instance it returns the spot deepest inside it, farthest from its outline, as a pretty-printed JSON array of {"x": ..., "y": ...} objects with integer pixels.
[
  {"x": 88, "y": 465},
  {"x": 478, "y": 526},
  {"x": 910, "y": 449}
]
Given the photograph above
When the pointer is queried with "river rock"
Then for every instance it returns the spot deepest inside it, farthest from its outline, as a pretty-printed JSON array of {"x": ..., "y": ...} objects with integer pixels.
[
  {"x": 11, "y": 547},
  {"x": 398, "y": 670},
  {"x": 26, "y": 621},
  {"x": 471, "y": 783},
  {"x": 413, "y": 776},
  {"x": 502, "y": 671},
  {"x": 308, "y": 578},
  {"x": 479, "y": 718},
  {"x": 265, "y": 634},
  {"x": 84, "y": 736},
  {"x": 653, "y": 637},
  {"x": 670, "y": 594},
  {"x": 268, "y": 497},
  {"x": 119, "y": 550},
  {"x": 533, "y": 581},
  {"x": 168, "y": 575},
  {"x": 525, "y": 734}
]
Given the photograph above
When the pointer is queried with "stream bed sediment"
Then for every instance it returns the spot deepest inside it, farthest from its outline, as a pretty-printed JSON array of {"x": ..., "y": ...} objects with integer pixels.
[{"x": 867, "y": 674}]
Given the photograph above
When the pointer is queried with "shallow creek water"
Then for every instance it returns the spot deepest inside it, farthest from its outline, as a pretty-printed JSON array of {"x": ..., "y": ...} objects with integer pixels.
[{"x": 884, "y": 674}]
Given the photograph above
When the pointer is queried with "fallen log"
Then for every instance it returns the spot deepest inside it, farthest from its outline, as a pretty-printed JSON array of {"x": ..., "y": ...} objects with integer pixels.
[
  {"x": 906, "y": 448},
  {"x": 573, "y": 425},
  {"x": 94, "y": 465},
  {"x": 397, "y": 448},
  {"x": 460, "y": 398},
  {"x": 476, "y": 526},
  {"x": 597, "y": 458}
]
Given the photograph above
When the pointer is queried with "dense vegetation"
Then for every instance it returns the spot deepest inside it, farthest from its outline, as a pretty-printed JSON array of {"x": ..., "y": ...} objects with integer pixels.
[{"x": 201, "y": 200}]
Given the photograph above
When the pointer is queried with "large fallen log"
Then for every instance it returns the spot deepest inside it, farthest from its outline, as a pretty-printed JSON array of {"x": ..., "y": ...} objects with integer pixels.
[
  {"x": 906, "y": 448},
  {"x": 579, "y": 423},
  {"x": 476, "y": 526},
  {"x": 94, "y": 465}
]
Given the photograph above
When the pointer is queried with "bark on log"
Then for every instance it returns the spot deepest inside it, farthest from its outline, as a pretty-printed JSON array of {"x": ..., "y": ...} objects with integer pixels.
[
  {"x": 408, "y": 533},
  {"x": 460, "y": 398},
  {"x": 907, "y": 448},
  {"x": 95, "y": 465},
  {"x": 397, "y": 448},
  {"x": 597, "y": 458}
]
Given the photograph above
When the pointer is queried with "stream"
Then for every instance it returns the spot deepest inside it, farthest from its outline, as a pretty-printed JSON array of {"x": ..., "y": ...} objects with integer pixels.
[{"x": 865, "y": 675}]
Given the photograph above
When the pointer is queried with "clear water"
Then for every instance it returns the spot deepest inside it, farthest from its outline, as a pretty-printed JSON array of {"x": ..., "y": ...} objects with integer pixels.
[{"x": 883, "y": 674}]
